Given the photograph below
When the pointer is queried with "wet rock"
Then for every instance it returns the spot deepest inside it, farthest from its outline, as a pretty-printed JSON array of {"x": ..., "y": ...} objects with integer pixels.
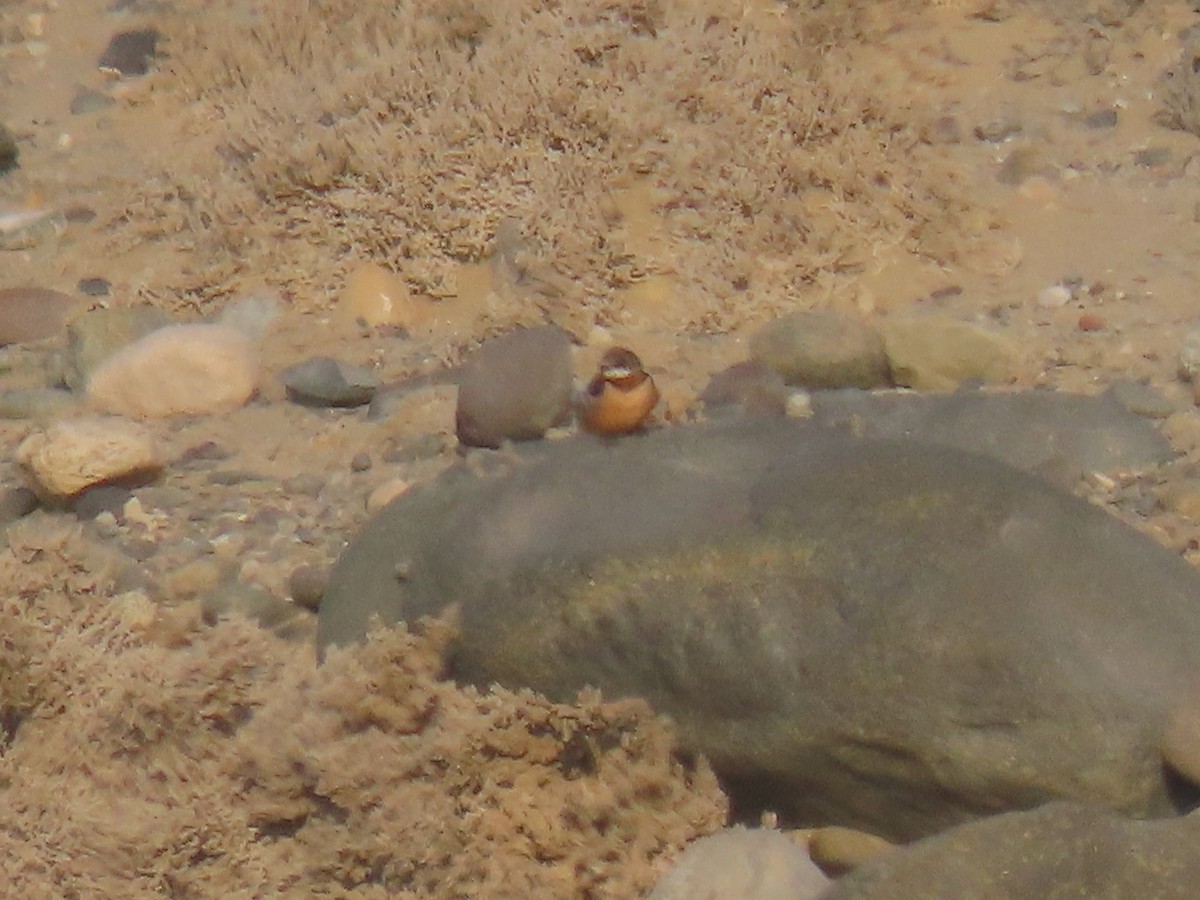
[
  {"x": 822, "y": 350},
  {"x": 1061, "y": 437},
  {"x": 937, "y": 354},
  {"x": 322, "y": 381},
  {"x": 742, "y": 864},
  {"x": 747, "y": 388},
  {"x": 177, "y": 370},
  {"x": 76, "y": 454},
  {"x": 98, "y": 334},
  {"x": 130, "y": 53},
  {"x": 515, "y": 387},
  {"x": 33, "y": 314},
  {"x": 1060, "y": 850},
  {"x": 884, "y": 635}
]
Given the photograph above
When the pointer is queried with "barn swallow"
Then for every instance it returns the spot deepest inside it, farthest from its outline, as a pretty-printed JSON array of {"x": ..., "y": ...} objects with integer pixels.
[{"x": 621, "y": 396}]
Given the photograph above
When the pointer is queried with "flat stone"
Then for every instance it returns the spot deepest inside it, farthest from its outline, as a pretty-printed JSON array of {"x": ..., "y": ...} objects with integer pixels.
[
  {"x": 822, "y": 350},
  {"x": 76, "y": 454},
  {"x": 1060, "y": 850},
  {"x": 322, "y": 381},
  {"x": 879, "y": 634},
  {"x": 937, "y": 354},
  {"x": 515, "y": 387},
  {"x": 177, "y": 370}
]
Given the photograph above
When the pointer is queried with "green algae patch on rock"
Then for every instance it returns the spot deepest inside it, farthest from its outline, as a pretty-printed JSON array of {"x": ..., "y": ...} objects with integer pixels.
[{"x": 879, "y": 634}]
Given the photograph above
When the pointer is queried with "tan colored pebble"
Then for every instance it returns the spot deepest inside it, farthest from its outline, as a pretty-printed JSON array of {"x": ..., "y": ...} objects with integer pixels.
[
  {"x": 386, "y": 493},
  {"x": 379, "y": 297},
  {"x": 73, "y": 455},
  {"x": 177, "y": 370},
  {"x": 839, "y": 850}
]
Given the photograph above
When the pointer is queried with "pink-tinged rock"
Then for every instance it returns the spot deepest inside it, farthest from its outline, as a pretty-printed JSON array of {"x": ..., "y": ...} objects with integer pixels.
[
  {"x": 177, "y": 370},
  {"x": 33, "y": 314},
  {"x": 76, "y": 454}
]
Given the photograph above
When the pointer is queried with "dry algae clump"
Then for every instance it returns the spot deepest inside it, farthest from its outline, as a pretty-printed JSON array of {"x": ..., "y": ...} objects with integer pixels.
[{"x": 410, "y": 131}]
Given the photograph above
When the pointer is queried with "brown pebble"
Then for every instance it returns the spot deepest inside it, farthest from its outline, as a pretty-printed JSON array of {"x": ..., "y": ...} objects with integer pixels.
[
  {"x": 360, "y": 462},
  {"x": 1091, "y": 322},
  {"x": 838, "y": 850},
  {"x": 306, "y": 585}
]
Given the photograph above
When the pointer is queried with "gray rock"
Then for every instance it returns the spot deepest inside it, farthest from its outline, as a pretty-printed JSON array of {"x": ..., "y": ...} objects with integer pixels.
[
  {"x": 236, "y": 598},
  {"x": 884, "y": 635},
  {"x": 822, "y": 350},
  {"x": 98, "y": 334},
  {"x": 1058, "y": 436},
  {"x": 515, "y": 387},
  {"x": 323, "y": 381},
  {"x": 747, "y": 388},
  {"x": 1060, "y": 851},
  {"x": 742, "y": 864},
  {"x": 130, "y": 52}
]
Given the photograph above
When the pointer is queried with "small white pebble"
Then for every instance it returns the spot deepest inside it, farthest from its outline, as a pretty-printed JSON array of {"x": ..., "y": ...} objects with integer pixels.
[{"x": 1054, "y": 297}]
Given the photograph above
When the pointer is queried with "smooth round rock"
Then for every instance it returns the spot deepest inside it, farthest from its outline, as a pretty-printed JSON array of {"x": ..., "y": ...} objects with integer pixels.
[
  {"x": 33, "y": 314},
  {"x": 70, "y": 456},
  {"x": 323, "y": 381},
  {"x": 881, "y": 634},
  {"x": 822, "y": 350},
  {"x": 748, "y": 389},
  {"x": 515, "y": 387},
  {"x": 177, "y": 370},
  {"x": 1060, "y": 850},
  {"x": 737, "y": 863},
  {"x": 939, "y": 354}
]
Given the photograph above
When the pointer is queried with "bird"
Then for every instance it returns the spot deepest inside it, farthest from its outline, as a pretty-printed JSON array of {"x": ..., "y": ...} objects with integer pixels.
[{"x": 620, "y": 398}]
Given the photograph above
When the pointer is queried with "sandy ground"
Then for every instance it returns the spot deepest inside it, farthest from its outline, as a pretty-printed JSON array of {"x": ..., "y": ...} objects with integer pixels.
[{"x": 959, "y": 158}]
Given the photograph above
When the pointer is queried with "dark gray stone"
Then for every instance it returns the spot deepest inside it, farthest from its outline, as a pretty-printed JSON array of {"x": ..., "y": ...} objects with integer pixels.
[
  {"x": 879, "y": 634},
  {"x": 322, "y": 381},
  {"x": 130, "y": 52},
  {"x": 515, "y": 387},
  {"x": 1062, "y": 851}
]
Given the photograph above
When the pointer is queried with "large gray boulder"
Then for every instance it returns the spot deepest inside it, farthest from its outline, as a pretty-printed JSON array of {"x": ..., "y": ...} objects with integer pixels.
[
  {"x": 873, "y": 633},
  {"x": 1061, "y": 851}
]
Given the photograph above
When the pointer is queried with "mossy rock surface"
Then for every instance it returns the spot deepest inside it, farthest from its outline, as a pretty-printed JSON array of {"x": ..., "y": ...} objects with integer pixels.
[{"x": 875, "y": 633}]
